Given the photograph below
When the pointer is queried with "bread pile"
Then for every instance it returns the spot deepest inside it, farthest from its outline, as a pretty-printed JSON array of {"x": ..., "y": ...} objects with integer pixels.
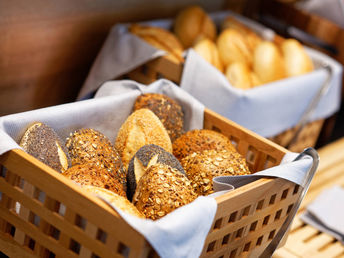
[
  {"x": 246, "y": 59},
  {"x": 153, "y": 166}
]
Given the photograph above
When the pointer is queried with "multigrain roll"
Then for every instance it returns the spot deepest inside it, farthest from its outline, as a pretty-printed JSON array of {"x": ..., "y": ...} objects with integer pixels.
[
  {"x": 43, "y": 143},
  {"x": 87, "y": 145},
  {"x": 114, "y": 199},
  {"x": 91, "y": 174},
  {"x": 145, "y": 157},
  {"x": 208, "y": 50},
  {"x": 202, "y": 167},
  {"x": 199, "y": 140},
  {"x": 233, "y": 47},
  {"x": 296, "y": 60},
  {"x": 268, "y": 63},
  {"x": 193, "y": 23},
  {"x": 161, "y": 190},
  {"x": 142, "y": 127},
  {"x": 161, "y": 39},
  {"x": 166, "y": 109}
]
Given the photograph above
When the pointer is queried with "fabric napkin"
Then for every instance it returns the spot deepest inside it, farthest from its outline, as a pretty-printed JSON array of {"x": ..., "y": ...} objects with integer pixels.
[{"x": 326, "y": 212}]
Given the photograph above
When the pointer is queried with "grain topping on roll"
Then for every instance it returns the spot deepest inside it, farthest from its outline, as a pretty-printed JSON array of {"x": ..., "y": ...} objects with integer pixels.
[
  {"x": 200, "y": 140},
  {"x": 161, "y": 190},
  {"x": 91, "y": 146},
  {"x": 145, "y": 157},
  {"x": 42, "y": 142},
  {"x": 166, "y": 109},
  {"x": 91, "y": 174}
]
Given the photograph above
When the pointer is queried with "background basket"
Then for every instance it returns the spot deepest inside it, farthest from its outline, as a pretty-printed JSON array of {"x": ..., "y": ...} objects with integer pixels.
[{"x": 58, "y": 218}]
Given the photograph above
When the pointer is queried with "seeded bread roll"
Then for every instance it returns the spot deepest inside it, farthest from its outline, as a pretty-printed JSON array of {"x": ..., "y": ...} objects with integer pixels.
[
  {"x": 91, "y": 146},
  {"x": 115, "y": 199},
  {"x": 208, "y": 50},
  {"x": 201, "y": 168},
  {"x": 161, "y": 190},
  {"x": 91, "y": 174},
  {"x": 42, "y": 142},
  {"x": 161, "y": 39},
  {"x": 166, "y": 109},
  {"x": 200, "y": 140},
  {"x": 145, "y": 157},
  {"x": 233, "y": 47},
  {"x": 192, "y": 23},
  {"x": 142, "y": 127}
]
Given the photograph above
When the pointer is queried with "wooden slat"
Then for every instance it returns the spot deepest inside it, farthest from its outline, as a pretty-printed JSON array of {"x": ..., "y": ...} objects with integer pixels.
[{"x": 12, "y": 249}]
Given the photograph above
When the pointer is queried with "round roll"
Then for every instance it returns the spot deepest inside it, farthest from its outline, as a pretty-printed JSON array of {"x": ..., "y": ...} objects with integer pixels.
[
  {"x": 91, "y": 174},
  {"x": 193, "y": 23},
  {"x": 166, "y": 109},
  {"x": 145, "y": 157},
  {"x": 202, "y": 167},
  {"x": 43, "y": 143},
  {"x": 142, "y": 127},
  {"x": 87, "y": 145},
  {"x": 268, "y": 63},
  {"x": 233, "y": 47},
  {"x": 114, "y": 199},
  {"x": 161, "y": 39},
  {"x": 208, "y": 50},
  {"x": 161, "y": 190},
  {"x": 200, "y": 140},
  {"x": 296, "y": 59}
]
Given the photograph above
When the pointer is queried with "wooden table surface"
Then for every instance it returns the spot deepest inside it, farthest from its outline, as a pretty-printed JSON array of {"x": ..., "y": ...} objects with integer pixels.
[{"x": 304, "y": 240}]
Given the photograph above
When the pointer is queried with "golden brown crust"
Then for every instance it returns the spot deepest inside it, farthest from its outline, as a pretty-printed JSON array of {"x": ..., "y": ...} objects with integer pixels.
[
  {"x": 233, "y": 47},
  {"x": 296, "y": 59},
  {"x": 200, "y": 140},
  {"x": 115, "y": 199},
  {"x": 192, "y": 23},
  {"x": 201, "y": 168},
  {"x": 160, "y": 38},
  {"x": 91, "y": 146},
  {"x": 91, "y": 174},
  {"x": 161, "y": 190},
  {"x": 239, "y": 75},
  {"x": 268, "y": 63},
  {"x": 208, "y": 50},
  {"x": 142, "y": 127},
  {"x": 166, "y": 109},
  {"x": 42, "y": 142}
]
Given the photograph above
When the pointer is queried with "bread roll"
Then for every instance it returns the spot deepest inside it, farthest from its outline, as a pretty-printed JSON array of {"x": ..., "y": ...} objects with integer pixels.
[
  {"x": 200, "y": 140},
  {"x": 114, "y": 199},
  {"x": 161, "y": 39},
  {"x": 239, "y": 75},
  {"x": 145, "y": 157},
  {"x": 296, "y": 60},
  {"x": 91, "y": 174},
  {"x": 193, "y": 23},
  {"x": 233, "y": 47},
  {"x": 142, "y": 127},
  {"x": 161, "y": 190},
  {"x": 251, "y": 37},
  {"x": 43, "y": 143},
  {"x": 268, "y": 63},
  {"x": 201, "y": 168},
  {"x": 87, "y": 145},
  {"x": 208, "y": 50},
  {"x": 166, "y": 109}
]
